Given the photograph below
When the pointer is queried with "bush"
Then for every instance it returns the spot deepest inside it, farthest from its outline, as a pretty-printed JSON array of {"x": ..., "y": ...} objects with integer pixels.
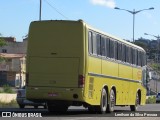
[
  {"x": 151, "y": 100},
  {"x": 7, "y": 89}
]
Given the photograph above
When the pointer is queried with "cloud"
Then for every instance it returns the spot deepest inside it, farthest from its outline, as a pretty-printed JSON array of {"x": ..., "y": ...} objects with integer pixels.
[{"x": 106, "y": 3}]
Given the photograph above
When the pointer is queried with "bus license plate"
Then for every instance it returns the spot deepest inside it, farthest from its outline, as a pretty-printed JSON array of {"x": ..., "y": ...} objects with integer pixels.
[{"x": 52, "y": 94}]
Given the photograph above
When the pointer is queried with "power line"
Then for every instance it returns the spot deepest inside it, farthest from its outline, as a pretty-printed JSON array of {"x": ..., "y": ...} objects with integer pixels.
[{"x": 56, "y": 9}]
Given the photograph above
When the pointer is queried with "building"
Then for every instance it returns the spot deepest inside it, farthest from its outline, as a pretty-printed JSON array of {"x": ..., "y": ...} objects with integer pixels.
[
  {"x": 12, "y": 62},
  {"x": 14, "y": 47},
  {"x": 12, "y": 69},
  {"x": 9, "y": 39},
  {"x": 153, "y": 75}
]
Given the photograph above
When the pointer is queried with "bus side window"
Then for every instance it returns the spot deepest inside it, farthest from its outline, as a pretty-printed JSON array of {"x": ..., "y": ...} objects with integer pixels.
[
  {"x": 94, "y": 43},
  {"x": 90, "y": 43},
  {"x": 130, "y": 55},
  {"x": 142, "y": 58},
  {"x": 133, "y": 56},
  {"x": 138, "y": 58},
  {"x": 103, "y": 46},
  {"x": 107, "y": 47},
  {"x": 98, "y": 37},
  {"x": 123, "y": 53},
  {"x": 119, "y": 51},
  {"x": 112, "y": 49},
  {"x": 116, "y": 50},
  {"x": 127, "y": 54},
  {"x": 140, "y": 61}
]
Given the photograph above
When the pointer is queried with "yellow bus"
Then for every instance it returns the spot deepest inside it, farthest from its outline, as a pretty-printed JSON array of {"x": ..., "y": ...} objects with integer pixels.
[{"x": 69, "y": 63}]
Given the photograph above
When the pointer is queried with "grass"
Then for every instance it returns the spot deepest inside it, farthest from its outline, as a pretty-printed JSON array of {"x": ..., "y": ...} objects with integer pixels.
[
  {"x": 12, "y": 104},
  {"x": 6, "y": 89},
  {"x": 151, "y": 100}
]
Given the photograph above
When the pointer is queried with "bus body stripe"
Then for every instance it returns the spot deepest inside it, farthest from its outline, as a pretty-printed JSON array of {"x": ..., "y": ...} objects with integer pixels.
[{"x": 113, "y": 77}]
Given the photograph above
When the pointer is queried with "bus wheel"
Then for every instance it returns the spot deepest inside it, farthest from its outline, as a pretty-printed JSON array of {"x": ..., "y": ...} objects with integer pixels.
[
  {"x": 103, "y": 106},
  {"x": 135, "y": 107},
  {"x": 112, "y": 100}
]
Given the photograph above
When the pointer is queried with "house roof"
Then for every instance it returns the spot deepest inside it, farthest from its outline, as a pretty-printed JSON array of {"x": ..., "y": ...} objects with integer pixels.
[
  {"x": 9, "y": 39},
  {"x": 6, "y": 55}
]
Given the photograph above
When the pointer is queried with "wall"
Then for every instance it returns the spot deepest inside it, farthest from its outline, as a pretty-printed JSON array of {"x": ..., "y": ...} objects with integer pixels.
[
  {"x": 15, "y": 47},
  {"x": 6, "y": 98}
]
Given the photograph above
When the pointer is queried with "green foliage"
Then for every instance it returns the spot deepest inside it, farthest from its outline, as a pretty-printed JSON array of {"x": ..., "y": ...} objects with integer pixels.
[
  {"x": 155, "y": 66},
  {"x": 2, "y": 41},
  {"x": 2, "y": 59},
  {"x": 151, "y": 100},
  {"x": 7, "y": 89},
  {"x": 141, "y": 44}
]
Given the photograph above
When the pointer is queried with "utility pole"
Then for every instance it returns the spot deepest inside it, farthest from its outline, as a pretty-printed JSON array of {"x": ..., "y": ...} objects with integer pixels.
[{"x": 40, "y": 10}]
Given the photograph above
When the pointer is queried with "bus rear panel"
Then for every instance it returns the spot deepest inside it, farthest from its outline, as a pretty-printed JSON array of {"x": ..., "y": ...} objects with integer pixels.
[{"x": 55, "y": 61}]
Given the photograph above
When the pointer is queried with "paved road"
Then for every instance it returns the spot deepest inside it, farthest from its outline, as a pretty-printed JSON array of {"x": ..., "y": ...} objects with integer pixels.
[{"x": 79, "y": 113}]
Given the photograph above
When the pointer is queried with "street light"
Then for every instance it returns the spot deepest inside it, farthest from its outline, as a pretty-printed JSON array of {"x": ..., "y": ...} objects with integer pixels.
[
  {"x": 40, "y": 10},
  {"x": 158, "y": 39},
  {"x": 133, "y": 13}
]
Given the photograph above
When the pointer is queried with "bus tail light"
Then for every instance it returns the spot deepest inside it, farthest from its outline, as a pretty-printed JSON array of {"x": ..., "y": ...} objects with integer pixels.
[
  {"x": 81, "y": 80},
  {"x": 27, "y": 78}
]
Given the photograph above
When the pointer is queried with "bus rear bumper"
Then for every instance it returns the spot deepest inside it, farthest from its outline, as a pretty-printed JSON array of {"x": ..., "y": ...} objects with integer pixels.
[{"x": 52, "y": 93}]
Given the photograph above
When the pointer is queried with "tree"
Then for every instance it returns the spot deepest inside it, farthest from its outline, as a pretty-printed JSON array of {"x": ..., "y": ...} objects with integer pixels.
[
  {"x": 141, "y": 44},
  {"x": 2, "y": 41}
]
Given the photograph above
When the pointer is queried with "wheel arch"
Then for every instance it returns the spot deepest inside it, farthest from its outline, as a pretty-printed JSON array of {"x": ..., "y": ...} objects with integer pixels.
[
  {"x": 114, "y": 89},
  {"x": 106, "y": 88},
  {"x": 139, "y": 92}
]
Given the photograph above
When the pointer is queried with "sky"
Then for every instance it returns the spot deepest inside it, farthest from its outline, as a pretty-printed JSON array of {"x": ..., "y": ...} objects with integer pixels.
[{"x": 16, "y": 16}]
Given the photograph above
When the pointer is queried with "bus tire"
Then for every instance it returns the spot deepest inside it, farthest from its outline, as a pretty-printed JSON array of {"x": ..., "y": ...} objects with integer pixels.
[
  {"x": 104, "y": 101},
  {"x": 111, "y": 101},
  {"x": 135, "y": 107}
]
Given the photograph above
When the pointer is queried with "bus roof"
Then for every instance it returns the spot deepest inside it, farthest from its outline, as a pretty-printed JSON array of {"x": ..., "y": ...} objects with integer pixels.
[
  {"x": 96, "y": 30},
  {"x": 116, "y": 38}
]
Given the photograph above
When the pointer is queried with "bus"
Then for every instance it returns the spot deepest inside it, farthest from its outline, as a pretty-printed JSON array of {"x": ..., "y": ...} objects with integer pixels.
[{"x": 70, "y": 63}]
